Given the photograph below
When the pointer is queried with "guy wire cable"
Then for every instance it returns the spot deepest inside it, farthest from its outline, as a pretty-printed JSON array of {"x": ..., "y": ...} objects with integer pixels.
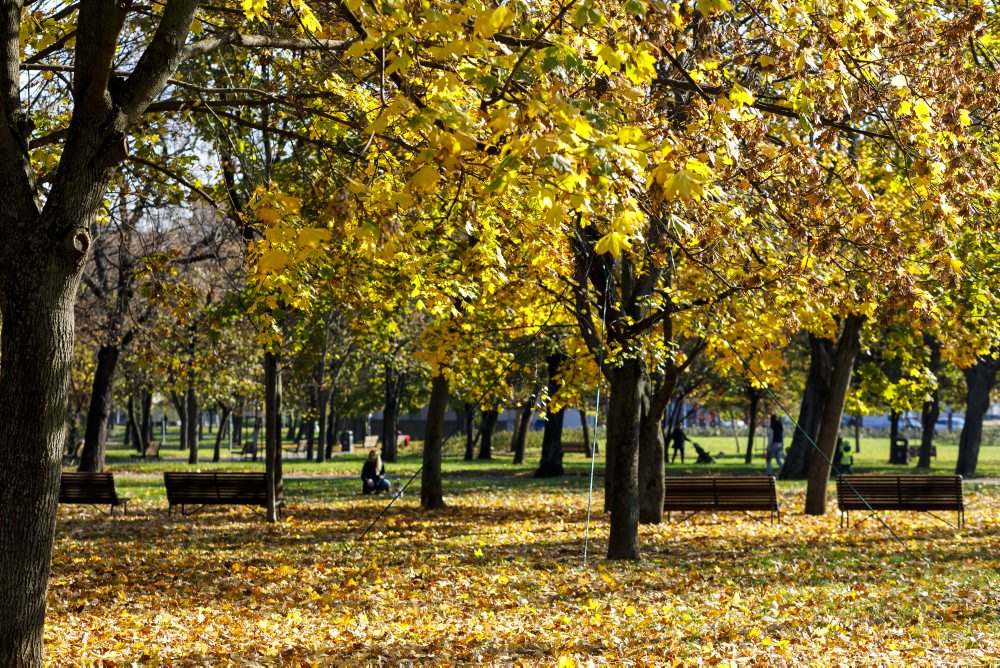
[
  {"x": 597, "y": 413},
  {"x": 808, "y": 438}
]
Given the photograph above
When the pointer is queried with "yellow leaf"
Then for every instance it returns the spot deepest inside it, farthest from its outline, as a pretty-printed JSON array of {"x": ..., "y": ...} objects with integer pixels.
[
  {"x": 493, "y": 21},
  {"x": 424, "y": 181},
  {"x": 313, "y": 236},
  {"x": 272, "y": 261},
  {"x": 269, "y": 215},
  {"x": 741, "y": 96},
  {"x": 612, "y": 242}
]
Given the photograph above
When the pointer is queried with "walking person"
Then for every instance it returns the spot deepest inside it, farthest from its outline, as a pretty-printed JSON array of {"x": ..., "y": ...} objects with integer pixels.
[
  {"x": 678, "y": 437},
  {"x": 776, "y": 447}
]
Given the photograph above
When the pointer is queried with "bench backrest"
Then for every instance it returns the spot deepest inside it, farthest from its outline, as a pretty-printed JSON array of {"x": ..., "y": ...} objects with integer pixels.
[
  {"x": 900, "y": 492},
  {"x": 371, "y": 441},
  {"x": 191, "y": 488},
  {"x": 720, "y": 493},
  {"x": 87, "y": 488}
]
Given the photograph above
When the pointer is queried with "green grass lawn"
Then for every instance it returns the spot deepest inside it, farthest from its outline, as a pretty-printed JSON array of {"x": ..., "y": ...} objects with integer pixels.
[{"x": 873, "y": 457}]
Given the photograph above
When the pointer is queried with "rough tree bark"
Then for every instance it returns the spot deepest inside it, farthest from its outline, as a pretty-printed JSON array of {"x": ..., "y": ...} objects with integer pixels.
[
  {"x": 191, "y": 425},
  {"x": 754, "y": 395},
  {"x": 625, "y": 402},
  {"x": 101, "y": 395},
  {"x": 521, "y": 431},
  {"x": 550, "y": 465},
  {"x": 490, "y": 418},
  {"x": 817, "y": 388},
  {"x": 829, "y": 428},
  {"x": 224, "y": 411},
  {"x": 652, "y": 445},
  {"x": 470, "y": 440},
  {"x": 979, "y": 380},
  {"x": 390, "y": 413},
  {"x": 272, "y": 429},
  {"x": 431, "y": 493}
]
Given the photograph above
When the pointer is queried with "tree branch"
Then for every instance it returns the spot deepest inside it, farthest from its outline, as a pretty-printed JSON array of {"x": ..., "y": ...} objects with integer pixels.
[{"x": 233, "y": 38}]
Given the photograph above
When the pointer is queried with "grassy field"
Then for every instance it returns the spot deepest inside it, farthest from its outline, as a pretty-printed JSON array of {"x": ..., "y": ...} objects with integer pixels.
[{"x": 872, "y": 458}]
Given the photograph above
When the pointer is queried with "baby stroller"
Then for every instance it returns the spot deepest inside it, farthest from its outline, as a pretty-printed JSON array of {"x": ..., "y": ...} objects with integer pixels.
[{"x": 703, "y": 457}]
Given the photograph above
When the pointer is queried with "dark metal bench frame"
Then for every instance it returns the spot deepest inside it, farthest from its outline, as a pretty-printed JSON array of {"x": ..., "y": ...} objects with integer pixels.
[
  {"x": 921, "y": 493},
  {"x": 93, "y": 489},
  {"x": 697, "y": 494},
  {"x": 214, "y": 488}
]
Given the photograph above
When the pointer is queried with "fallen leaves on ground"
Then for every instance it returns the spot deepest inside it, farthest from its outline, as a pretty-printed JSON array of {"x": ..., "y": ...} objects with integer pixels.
[{"x": 498, "y": 577}]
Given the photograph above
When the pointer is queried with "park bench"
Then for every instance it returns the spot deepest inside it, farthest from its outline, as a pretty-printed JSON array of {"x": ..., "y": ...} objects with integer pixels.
[
  {"x": 577, "y": 447},
  {"x": 152, "y": 452},
  {"x": 921, "y": 493},
  {"x": 95, "y": 489},
  {"x": 214, "y": 488},
  {"x": 697, "y": 494},
  {"x": 371, "y": 442}
]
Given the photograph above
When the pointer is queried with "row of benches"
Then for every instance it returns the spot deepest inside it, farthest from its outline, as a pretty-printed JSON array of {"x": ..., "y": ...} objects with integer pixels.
[
  {"x": 692, "y": 494},
  {"x": 925, "y": 493},
  {"x": 183, "y": 489}
]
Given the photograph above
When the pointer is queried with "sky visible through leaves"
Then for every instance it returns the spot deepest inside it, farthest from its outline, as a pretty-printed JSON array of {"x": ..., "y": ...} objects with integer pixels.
[{"x": 497, "y": 577}]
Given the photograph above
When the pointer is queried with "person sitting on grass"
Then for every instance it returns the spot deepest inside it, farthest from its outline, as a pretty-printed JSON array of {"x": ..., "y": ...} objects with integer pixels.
[{"x": 373, "y": 475}]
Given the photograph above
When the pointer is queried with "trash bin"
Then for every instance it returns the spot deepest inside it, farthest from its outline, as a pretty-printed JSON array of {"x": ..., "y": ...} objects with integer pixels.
[
  {"x": 899, "y": 451},
  {"x": 346, "y": 439}
]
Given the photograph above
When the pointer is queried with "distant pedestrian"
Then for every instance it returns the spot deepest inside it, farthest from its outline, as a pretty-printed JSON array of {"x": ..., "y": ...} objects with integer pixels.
[
  {"x": 847, "y": 460},
  {"x": 678, "y": 437},
  {"x": 776, "y": 447}
]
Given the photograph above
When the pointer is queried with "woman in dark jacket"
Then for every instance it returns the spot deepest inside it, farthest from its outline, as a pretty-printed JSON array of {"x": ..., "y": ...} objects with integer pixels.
[{"x": 373, "y": 474}]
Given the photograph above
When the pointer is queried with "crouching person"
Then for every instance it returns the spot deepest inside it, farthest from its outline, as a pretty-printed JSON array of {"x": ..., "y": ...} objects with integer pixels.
[{"x": 373, "y": 475}]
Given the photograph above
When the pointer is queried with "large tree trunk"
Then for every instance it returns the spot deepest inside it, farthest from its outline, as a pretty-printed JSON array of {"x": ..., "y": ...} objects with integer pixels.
[
  {"x": 651, "y": 462},
  {"x": 431, "y": 493},
  {"x": 220, "y": 434},
  {"x": 36, "y": 344},
  {"x": 192, "y": 424},
  {"x": 310, "y": 423},
  {"x": 324, "y": 426},
  {"x": 928, "y": 419},
  {"x": 147, "y": 418},
  {"x": 521, "y": 432},
  {"x": 102, "y": 392},
  {"x": 272, "y": 429},
  {"x": 390, "y": 413},
  {"x": 470, "y": 441},
  {"x": 752, "y": 422},
  {"x": 238, "y": 423},
  {"x": 817, "y": 388},
  {"x": 486, "y": 433},
  {"x": 979, "y": 380},
  {"x": 652, "y": 446},
  {"x": 625, "y": 402},
  {"x": 551, "y": 465},
  {"x": 585, "y": 430},
  {"x": 829, "y": 428}
]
